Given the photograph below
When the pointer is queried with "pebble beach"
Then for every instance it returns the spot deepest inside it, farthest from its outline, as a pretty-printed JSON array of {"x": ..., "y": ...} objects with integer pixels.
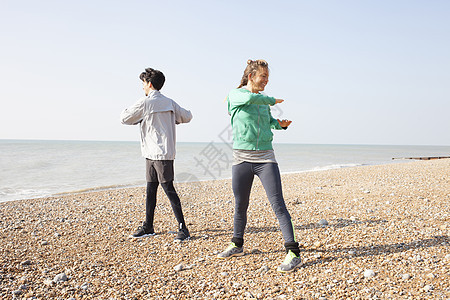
[{"x": 369, "y": 232}]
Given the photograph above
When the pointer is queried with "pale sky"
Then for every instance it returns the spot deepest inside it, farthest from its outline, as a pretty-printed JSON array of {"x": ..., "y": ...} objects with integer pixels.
[{"x": 351, "y": 72}]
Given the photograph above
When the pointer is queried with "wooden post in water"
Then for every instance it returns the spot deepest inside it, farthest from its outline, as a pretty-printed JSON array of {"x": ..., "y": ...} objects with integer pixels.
[{"x": 423, "y": 158}]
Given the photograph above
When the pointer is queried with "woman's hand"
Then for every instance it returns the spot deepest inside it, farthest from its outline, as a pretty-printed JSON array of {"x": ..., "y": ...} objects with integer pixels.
[
  {"x": 278, "y": 100},
  {"x": 284, "y": 122}
]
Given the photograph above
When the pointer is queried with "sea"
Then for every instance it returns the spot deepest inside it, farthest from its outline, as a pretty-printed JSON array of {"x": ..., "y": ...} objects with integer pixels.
[{"x": 34, "y": 168}]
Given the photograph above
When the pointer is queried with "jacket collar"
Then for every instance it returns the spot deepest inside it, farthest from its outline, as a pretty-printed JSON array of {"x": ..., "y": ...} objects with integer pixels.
[{"x": 153, "y": 92}]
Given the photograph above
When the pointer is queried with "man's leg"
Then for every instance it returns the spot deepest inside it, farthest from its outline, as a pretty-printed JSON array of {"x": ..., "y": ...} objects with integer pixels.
[
  {"x": 150, "y": 205},
  {"x": 150, "y": 201},
  {"x": 175, "y": 202}
]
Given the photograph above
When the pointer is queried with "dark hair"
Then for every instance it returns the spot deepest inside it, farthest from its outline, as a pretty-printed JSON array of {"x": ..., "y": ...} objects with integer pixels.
[
  {"x": 155, "y": 77},
  {"x": 252, "y": 67}
]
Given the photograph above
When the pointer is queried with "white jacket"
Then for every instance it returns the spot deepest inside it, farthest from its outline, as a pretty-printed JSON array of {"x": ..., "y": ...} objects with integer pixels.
[{"x": 157, "y": 116}]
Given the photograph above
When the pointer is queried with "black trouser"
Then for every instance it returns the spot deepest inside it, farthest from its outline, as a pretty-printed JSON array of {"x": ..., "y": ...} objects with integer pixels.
[
  {"x": 150, "y": 205},
  {"x": 242, "y": 180}
]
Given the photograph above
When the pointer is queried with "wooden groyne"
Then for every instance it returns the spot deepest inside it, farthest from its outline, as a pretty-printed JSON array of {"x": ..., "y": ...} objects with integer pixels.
[{"x": 423, "y": 158}]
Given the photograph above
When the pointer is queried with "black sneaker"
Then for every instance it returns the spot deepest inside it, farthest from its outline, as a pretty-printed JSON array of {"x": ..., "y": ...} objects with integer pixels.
[
  {"x": 142, "y": 232},
  {"x": 183, "y": 235}
]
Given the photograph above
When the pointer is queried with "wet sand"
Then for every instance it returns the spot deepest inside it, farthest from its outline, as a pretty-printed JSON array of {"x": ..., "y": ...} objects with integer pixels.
[{"x": 393, "y": 220}]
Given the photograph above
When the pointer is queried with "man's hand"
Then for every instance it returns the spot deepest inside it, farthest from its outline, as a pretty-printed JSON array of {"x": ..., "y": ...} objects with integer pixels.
[{"x": 284, "y": 122}]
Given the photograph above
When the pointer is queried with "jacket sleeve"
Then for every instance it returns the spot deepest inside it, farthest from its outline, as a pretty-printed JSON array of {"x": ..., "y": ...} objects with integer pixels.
[
  {"x": 134, "y": 114},
  {"x": 239, "y": 97},
  {"x": 182, "y": 115},
  {"x": 274, "y": 122}
]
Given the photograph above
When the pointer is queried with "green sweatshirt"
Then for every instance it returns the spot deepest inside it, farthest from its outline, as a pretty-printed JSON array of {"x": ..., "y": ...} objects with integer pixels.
[{"x": 251, "y": 120}]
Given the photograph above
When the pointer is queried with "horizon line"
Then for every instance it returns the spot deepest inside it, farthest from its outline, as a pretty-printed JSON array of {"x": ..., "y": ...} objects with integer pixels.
[{"x": 204, "y": 142}]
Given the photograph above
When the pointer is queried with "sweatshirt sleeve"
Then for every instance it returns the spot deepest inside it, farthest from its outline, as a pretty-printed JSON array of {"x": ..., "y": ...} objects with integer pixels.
[
  {"x": 182, "y": 115},
  {"x": 134, "y": 114},
  {"x": 239, "y": 97}
]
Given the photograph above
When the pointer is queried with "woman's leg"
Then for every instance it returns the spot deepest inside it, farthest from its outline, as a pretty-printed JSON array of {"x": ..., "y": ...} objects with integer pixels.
[
  {"x": 269, "y": 174},
  {"x": 242, "y": 179}
]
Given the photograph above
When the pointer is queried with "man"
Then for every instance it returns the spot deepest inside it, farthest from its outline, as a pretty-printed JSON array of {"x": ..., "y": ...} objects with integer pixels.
[{"x": 157, "y": 115}]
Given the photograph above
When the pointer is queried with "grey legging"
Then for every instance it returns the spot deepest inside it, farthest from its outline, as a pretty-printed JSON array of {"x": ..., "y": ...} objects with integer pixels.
[{"x": 269, "y": 174}]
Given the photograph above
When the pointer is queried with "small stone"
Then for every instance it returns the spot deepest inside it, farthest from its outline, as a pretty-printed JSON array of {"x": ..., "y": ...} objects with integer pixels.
[
  {"x": 323, "y": 222},
  {"x": 263, "y": 269},
  {"x": 447, "y": 257},
  {"x": 351, "y": 252},
  {"x": 350, "y": 281},
  {"x": 178, "y": 267},
  {"x": 317, "y": 255},
  {"x": 317, "y": 244},
  {"x": 237, "y": 285},
  {"x": 57, "y": 234},
  {"x": 60, "y": 278},
  {"x": 249, "y": 295},
  {"x": 431, "y": 276},
  {"x": 369, "y": 273},
  {"x": 84, "y": 286},
  {"x": 48, "y": 282},
  {"x": 353, "y": 218},
  {"x": 428, "y": 288},
  {"x": 26, "y": 263},
  {"x": 23, "y": 287},
  {"x": 224, "y": 274},
  {"x": 44, "y": 243},
  {"x": 406, "y": 276},
  {"x": 17, "y": 292}
]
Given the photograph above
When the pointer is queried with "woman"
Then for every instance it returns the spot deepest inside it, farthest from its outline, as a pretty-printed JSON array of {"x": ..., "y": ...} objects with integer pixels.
[{"x": 253, "y": 154}]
